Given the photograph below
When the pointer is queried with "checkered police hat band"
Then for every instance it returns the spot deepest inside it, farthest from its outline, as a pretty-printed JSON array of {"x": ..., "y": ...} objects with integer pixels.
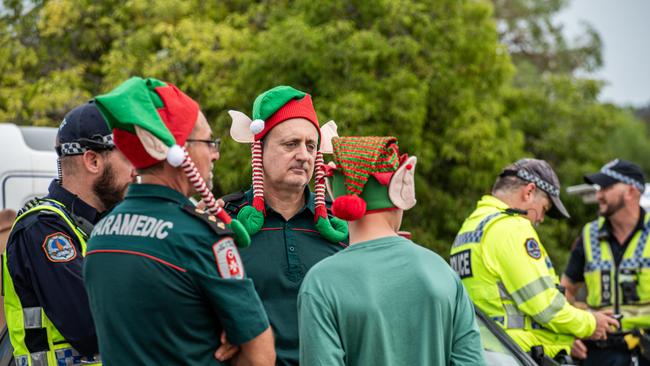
[
  {"x": 623, "y": 178},
  {"x": 539, "y": 182},
  {"x": 76, "y": 148}
]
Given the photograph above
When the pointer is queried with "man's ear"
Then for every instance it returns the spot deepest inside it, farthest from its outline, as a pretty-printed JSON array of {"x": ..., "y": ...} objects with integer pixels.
[
  {"x": 401, "y": 189},
  {"x": 92, "y": 161},
  {"x": 528, "y": 192}
]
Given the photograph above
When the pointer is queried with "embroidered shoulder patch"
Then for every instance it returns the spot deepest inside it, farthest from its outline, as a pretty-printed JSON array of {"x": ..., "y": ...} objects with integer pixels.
[
  {"x": 229, "y": 263},
  {"x": 532, "y": 248},
  {"x": 59, "y": 248}
]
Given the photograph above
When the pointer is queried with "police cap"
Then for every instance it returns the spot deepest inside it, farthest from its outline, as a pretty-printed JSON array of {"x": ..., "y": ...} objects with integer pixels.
[{"x": 83, "y": 129}]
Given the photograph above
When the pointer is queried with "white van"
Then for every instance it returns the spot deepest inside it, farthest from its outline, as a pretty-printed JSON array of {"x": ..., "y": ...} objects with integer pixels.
[{"x": 27, "y": 163}]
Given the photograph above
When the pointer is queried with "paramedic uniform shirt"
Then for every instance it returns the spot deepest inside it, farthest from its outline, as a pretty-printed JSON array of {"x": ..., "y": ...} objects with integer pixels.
[{"x": 164, "y": 281}]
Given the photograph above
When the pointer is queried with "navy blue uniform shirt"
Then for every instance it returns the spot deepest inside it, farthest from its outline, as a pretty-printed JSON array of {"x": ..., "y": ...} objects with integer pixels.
[{"x": 57, "y": 287}]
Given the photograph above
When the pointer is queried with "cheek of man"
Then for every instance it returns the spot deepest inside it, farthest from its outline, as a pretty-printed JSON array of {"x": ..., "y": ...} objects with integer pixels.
[
  {"x": 125, "y": 172},
  {"x": 289, "y": 162}
]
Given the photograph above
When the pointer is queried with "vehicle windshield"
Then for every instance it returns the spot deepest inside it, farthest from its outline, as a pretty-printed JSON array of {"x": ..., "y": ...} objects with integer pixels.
[{"x": 496, "y": 353}]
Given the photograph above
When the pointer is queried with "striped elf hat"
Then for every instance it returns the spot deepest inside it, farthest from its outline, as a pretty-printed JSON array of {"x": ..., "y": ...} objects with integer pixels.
[
  {"x": 368, "y": 175},
  {"x": 271, "y": 108},
  {"x": 151, "y": 121}
]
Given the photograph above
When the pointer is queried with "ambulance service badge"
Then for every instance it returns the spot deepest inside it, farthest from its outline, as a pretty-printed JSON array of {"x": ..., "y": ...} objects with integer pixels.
[{"x": 229, "y": 262}]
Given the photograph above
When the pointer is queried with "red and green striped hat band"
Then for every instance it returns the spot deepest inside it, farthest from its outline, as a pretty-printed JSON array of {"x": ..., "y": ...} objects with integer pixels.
[{"x": 158, "y": 107}]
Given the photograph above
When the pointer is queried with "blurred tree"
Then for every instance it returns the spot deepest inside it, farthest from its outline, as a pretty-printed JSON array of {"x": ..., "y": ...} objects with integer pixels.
[{"x": 528, "y": 29}]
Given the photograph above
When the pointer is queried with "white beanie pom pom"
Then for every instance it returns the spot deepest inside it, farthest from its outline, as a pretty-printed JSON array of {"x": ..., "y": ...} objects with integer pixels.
[
  {"x": 257, "y": 126},
  {"x": 175, "y": 156}
]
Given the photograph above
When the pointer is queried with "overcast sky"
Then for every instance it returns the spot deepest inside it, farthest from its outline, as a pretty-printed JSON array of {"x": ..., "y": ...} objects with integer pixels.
[{"x": 624, "y": 26}]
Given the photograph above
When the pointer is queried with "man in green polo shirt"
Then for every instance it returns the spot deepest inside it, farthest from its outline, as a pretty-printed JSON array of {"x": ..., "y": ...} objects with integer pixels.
[
  {"x": 289, "y": 225},
  {"x": 165, "y": 281},
  {"x": 384, "y": 300}
]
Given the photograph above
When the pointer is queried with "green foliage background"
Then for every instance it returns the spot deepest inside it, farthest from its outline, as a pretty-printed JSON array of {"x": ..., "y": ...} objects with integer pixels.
[{"x": 467, "y": 85}]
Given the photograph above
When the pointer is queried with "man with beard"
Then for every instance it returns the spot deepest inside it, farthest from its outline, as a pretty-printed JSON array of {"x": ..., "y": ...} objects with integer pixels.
[
  {"x": 612, "y": 259},
  {"x": 46, "y": 305}
]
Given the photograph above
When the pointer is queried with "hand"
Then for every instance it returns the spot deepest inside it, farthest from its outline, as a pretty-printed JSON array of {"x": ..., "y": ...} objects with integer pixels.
[
  {"x": 226, "y": 350},
  {"x": 604, "y": 324},
  {"x": 579, "y": 350}
]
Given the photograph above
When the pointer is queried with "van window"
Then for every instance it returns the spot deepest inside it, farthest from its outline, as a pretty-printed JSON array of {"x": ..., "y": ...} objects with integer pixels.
[{"x": 39, "y": 138}]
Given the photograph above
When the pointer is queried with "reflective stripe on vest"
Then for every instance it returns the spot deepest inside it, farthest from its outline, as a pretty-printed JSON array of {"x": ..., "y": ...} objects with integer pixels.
[
  {"x": 20, "y": 319},
  {"x": 475, "y": 235},
  {"x": 512, "y": 317},
  {"x": 626, "y": 287}
]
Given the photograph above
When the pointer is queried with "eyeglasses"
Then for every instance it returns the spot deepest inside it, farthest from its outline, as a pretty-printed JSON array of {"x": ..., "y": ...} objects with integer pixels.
[{"x": 213, "y": 144}]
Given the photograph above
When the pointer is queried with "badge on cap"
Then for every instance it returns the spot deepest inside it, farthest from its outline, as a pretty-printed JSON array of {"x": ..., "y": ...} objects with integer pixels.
[
  {"x": 532, "y": 248},
  {"x": 229, "y": 264},
  {"x": 59, "y": 248}
]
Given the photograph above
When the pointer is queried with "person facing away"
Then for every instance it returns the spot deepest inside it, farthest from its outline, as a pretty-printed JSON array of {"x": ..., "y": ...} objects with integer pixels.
[
  {"x": 46, "y": 306},
  {"x": 384, "y": 300},
  {"x": 164, "y": 278},
  {"x": 507, "y": 271},
  {"x": 611, "y": 258},
  {"x": 290, "y": 227}
]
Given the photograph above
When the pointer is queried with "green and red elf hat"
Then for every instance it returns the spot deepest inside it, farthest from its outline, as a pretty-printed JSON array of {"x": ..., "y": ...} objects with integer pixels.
[
  {"x": 271, "y": 108},
  {"x": 369, "y": 175},
  {"x": 151, "y": 121}
]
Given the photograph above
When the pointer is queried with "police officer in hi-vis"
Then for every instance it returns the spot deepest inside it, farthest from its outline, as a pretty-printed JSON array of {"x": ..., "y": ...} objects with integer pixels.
[
  {"x": 507, "y": 271},
  {"x": 612, "y": 259},
  {"x": 165, "y": 280},
  {"x": 46, "y": 306}
]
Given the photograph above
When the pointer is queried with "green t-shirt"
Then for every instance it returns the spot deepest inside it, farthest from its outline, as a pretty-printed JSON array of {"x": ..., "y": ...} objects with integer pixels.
[
  {"x": 277, "y": 260},
  {"x": 164, "y": 281},
  {"x": 386, "y": 302}
]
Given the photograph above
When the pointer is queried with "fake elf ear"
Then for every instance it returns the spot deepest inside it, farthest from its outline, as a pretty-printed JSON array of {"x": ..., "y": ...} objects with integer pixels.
[
  {"x": 150, "y": 119},
  {"x": 401, "y": 189},
  {"x": 240, "y": 129}
]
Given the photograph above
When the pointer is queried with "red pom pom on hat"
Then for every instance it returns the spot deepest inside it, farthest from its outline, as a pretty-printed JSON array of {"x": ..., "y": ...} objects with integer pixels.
[{"x": 349, "y": 207}]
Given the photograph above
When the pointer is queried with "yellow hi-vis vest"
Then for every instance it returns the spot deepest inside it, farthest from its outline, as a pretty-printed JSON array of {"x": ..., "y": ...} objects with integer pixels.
[
  {"x": 19, "y": 318},
  {"x": 509, "y": 276},
  {"x": 625, "y": 288}
]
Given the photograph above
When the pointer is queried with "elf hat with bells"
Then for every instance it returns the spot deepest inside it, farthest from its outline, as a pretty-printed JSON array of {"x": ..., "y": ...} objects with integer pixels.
[
  {"x": 368, "y": 175},
  {"x": 151, "y": 121},
  {"x": 275, "y": 106}
]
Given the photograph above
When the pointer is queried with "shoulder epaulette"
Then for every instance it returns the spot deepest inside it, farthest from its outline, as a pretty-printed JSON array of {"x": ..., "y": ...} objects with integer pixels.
[
  {"x": 234, "y": 196},
  {"x": 233, "y": 202},
  {"x": 28, "y": 206},
  {"x": 213, "y": 222}
]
